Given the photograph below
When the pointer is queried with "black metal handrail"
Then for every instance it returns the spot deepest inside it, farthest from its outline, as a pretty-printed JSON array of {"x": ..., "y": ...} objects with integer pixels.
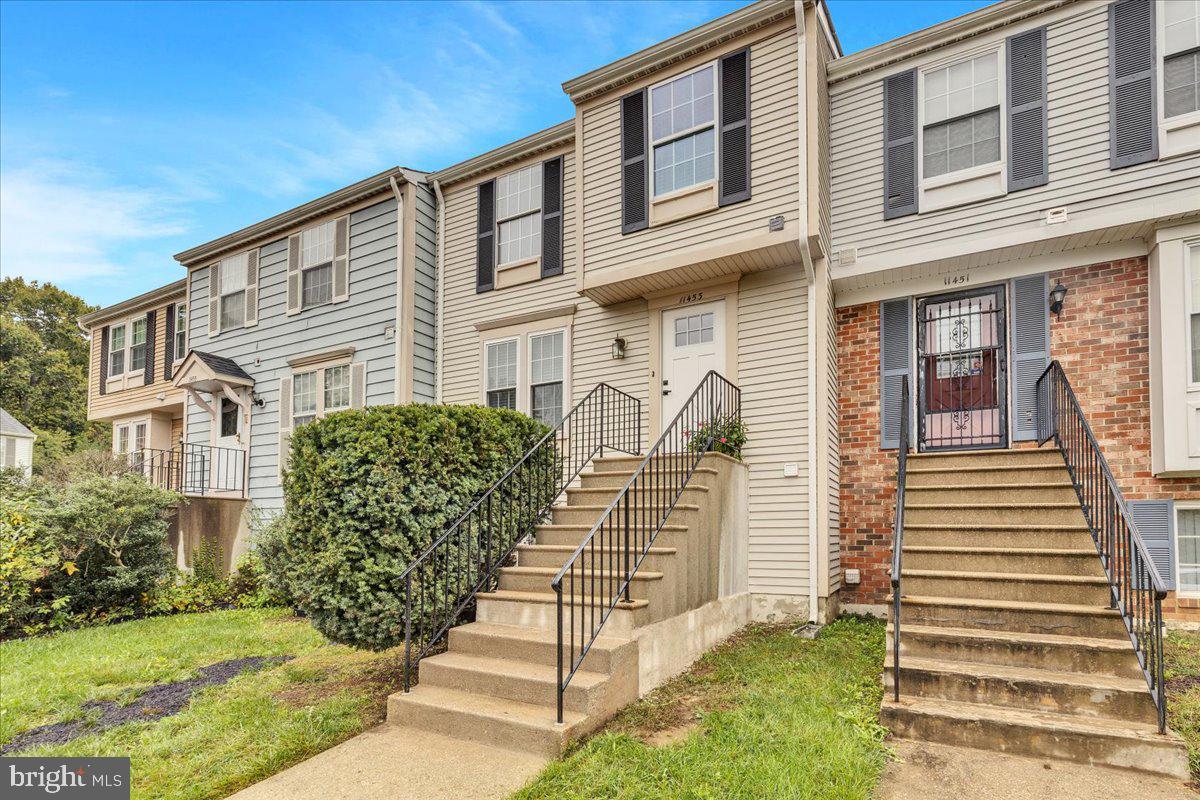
[
  {"x": 1137, "y": 590},
  {"x": 192, "y": 469},
  {"x": 441, "y": 583},
  {"x": 599, "y": 572},
  {"x": 898, "y": 532}
]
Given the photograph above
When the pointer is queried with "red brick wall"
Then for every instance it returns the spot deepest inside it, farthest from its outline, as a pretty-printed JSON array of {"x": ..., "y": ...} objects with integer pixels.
[{"x": 1102, "y": 341}]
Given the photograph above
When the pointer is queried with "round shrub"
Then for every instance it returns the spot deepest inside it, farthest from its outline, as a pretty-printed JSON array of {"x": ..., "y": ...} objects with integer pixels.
[{"x": 368, "y": 490}]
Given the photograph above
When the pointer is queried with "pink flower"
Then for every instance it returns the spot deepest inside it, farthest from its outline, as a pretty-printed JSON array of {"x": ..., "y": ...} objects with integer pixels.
[{"x": 724, "y": 440}]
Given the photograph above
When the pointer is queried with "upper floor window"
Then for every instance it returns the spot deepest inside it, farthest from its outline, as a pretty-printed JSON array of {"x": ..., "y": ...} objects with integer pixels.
[
  {"x": 233, "y": 291},
  {"x": 137, "y": 345},
  {"x": 519, "y": 215},
  {"x": 316, "y": 264},
  {"x": 683, "y": 132},
  {"x": 180, "y": 343},
  {"x": 501, "y": 371},
  {"x": 116, "y": 350},
  {"x": 961, "y": 116},
  {"x": 1181, "y": 57}
]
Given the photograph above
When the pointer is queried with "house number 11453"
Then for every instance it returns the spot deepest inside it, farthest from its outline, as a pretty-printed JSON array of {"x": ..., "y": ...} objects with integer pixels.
[{"x": 694, "y": 297}]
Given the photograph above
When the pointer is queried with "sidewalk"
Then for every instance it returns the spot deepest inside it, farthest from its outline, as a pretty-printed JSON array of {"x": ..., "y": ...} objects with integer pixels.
[{"x": 399, "y": 763}]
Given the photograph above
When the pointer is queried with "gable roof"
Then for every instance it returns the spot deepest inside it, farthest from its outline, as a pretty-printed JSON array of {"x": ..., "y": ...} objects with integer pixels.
[
  {"x": 11, "y": 426},
  {"x": 220, "y": 365}
]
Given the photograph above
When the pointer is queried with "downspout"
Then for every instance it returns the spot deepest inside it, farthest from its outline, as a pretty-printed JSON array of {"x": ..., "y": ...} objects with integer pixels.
[
  {"x": 398, "y": 383},
  {"x": 438, "y": 344}
]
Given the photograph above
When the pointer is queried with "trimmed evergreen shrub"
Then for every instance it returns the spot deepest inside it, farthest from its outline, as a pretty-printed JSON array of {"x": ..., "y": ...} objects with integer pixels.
[{"x": 367, "y": 491}]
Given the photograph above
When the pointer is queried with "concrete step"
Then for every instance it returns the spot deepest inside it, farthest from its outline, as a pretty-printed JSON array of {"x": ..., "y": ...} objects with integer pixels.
[
  {"x": 1058, "y": 537},
  {"x": 1078, "y": 694},
  {"x": 1087, "y": 590},
  {"x": 539, "y": 610},
  {"x": 623, "y": 463},
  {"x": 490, "y": 720},
  {"x": 1093, "y": 741},
  {"x": 658, "y": 559},
  {"x": 522, "y": 681},
  {"x": 671, "y": 535},
  {"x": 580, "y": 496},
  {"x": 1019, "y": 513},
  {"x": 537, "y": 579},
  {"x": 684, "y": 513},
  {"x": 920, "y": 474},
  {"x": 537, "y": 646},
  {"x": 999, "y": 559},
  {"x": 1014, "y": 616},
  {"x": 1082, "y": 654},
  {"x": 1045, "y": 491},
  {"x": 960, "y": 459},
  {"x": 616, "y": 479}
]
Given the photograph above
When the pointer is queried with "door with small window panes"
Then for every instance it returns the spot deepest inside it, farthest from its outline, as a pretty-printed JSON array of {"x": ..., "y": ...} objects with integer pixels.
[{"x": 693, "y": 341}]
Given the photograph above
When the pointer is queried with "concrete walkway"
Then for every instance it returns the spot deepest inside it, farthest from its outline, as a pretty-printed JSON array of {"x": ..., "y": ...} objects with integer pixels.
[
  {"x": 927, "y": 771},
  {"x": 399, "y": 763}
]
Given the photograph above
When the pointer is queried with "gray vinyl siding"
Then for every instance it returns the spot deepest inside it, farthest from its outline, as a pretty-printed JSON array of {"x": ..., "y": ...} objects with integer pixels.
[
  {"x": 1078, "y": 141},
  {"x": 264, "y": 350},
  {"x": 425, "y": 298}
]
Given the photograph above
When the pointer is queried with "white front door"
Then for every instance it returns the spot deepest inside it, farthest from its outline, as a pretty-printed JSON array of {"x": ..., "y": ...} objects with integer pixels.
[{"x": 693, "y": 340}]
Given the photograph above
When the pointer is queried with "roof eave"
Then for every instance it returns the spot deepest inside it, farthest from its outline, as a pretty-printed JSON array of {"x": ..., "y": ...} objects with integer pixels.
[
  {"x": 540, "y": 142},
  {"x": 150, "y": 298}
]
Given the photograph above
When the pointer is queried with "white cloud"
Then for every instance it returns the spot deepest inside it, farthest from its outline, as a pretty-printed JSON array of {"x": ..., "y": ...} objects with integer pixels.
[{"x": 61, "y": 222}]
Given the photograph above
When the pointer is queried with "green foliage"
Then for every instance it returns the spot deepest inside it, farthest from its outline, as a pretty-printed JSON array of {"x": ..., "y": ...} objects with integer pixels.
[
  {"x": 26, "y": 557},
  {"x": 728, "y": 437},
  {"x": 367, "y": 491}
]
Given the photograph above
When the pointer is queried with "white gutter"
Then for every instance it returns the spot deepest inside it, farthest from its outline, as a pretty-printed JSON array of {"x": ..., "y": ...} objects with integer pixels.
[
  {"x": 398, "y": 382},
  {"x": 438, "y": 344}
]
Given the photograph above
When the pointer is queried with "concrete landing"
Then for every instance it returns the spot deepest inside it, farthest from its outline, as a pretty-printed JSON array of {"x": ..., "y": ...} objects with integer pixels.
[
  {"x": 927, "y": 771},
  {"x": 401, "y": 763}
]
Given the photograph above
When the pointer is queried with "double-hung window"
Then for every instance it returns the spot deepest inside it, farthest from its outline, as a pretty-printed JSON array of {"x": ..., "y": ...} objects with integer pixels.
[
  {"x": 501, "y": 373},
  {"x": 1187, "y": 547},
  {"x": 316, "y": 265},
  {"x": 233, "y": 291},
  {"x": 1192, "y": 254},
  {"x": 1181, "y": 57},
  {"x": 137, "y": 345},
  {"x": 519, "y": 216},
  {"x": 304, "y": 398},
  {"x": 180, "y": 343},
  {"x": 116, "y": 350},
  {"x": 961, "y": 116},
  {"x": 683, "y": 131},
  {"x": 546, "y": 377},
  {"x": 319, "y": 392}
]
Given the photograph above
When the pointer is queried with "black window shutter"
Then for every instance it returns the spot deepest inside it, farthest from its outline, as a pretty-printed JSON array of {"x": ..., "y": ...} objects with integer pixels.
[
  {"x": 900, "y": 146},
  {"x": 1028, "y": 164},
  {"x": 169, "y": 343},
  {"x": 895, "y": 363},
  {"x": 734, "y": 185},
  {"x": 1155, "y": 521},
  {"x": 552, "y": 217},
  {"x": 635, "y": 179},
  {"x": 1030, "y": 342},
  {"x": 103, "y": 359},
  {"x": 148, "y": 372},
  {"x": 485, "y": 252},
  {"x": 1133, "y": 136}
]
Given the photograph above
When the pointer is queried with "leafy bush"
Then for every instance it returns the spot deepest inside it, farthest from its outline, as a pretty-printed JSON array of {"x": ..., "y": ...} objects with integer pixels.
[
  {"x": 367, "y": 491},
  {"x": 26, "y": 557},
  {"x": 728, "y": 437}
]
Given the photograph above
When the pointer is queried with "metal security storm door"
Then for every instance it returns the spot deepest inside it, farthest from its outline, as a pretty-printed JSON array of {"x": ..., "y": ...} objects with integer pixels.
[{"x": 961, "y": 367}]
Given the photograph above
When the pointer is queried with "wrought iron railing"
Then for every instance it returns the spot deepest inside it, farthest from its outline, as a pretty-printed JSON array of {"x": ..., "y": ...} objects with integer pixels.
[
  {"x": 193, "y": 469},
  {"x": 898, "y": 532},
  {"x": 440, "y": 584},
  {"x": 1137, "y": 590},
  {"x": 598, "y": 574}
]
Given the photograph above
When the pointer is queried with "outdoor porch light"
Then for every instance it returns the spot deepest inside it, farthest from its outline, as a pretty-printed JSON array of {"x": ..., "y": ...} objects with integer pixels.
[
  {"x": 618, "y": 348},
  {"x": 1056, "y": 298}
]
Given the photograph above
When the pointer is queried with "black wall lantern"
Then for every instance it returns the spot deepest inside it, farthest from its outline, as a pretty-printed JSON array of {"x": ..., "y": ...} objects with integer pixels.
[
  {"x": 618, "y": 348},
  {"x": 1056, "y": 298}
]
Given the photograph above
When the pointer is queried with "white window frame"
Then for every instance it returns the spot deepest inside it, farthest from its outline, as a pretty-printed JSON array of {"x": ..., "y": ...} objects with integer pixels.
[
  {"x": 1182, "y": 505},
  {"x": 319, "y": 370},
  {"x": 225, "y": 264},
  {"x": 305, "y": 269},
  {"x": 562, "y": 377},
  {"x": 129, "y": 368},
  {"x": 180, "y": 323},
  {"x": 1191, "y": 249},
  {"x": 129, "y": 427},
  {"x": 524, "y": 352},
  {"x": 652, "y": 142},
  {"x": 124, "y": 350},
  {"x": 115, "y": 381},
  {"x": 537, "y": 169},
  {"x": 1170, "y": 129}
]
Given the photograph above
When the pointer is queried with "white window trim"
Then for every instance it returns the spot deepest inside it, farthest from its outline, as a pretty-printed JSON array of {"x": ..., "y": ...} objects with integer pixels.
[
  {"x": 1182, "y": 505},
  {"x": 1188, "y": 247},
  {"x": 1167, "y": 125},
  {"x": 524, "y": 349},
  {"x": 994, "y": 169},
  {"x": 121, "y": 380},
  {"x": 129, "y": 425},
  {"x": 319, "y": 369},
  {"x": 715, "y": 125},
  {"x": 175, "y": 357},
  {"x": 498, "y": 220}
]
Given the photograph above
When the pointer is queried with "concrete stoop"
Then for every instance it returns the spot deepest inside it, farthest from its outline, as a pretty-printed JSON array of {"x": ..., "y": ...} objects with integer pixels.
[
  {"x": 497, "y": 682},
  {"x": 1007, "y": 642}
]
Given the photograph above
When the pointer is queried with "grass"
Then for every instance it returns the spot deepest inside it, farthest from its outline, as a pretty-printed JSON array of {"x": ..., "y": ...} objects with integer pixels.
[
  {"x": 1182, "y": 672},
  {"x": 766, "y": 715},
  {"x": 229, "y": 736}
]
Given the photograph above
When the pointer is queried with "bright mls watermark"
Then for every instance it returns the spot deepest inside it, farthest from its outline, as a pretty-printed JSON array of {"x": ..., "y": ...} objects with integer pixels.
[{"x": 90, "y": 778}]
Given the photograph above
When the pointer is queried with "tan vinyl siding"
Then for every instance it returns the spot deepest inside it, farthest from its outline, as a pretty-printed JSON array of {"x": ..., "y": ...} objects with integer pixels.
[
  {"x": 1080, "y": 178},
  {"x": 832, "y": 454},
  {"x": 176, "y": 429},
  {"x": 773, "y": 375},
  {"x": 822, "y": 89},
  {"x": 138, "y": 397},
  {"x": 774, "y": 168}
]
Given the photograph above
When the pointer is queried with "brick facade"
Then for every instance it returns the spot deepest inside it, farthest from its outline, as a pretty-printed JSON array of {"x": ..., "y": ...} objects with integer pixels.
[{"x": 1102, "y": 341}]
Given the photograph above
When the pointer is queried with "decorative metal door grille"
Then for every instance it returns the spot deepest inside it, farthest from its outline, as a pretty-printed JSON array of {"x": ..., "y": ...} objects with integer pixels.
[{"x": 961, "y": 361}]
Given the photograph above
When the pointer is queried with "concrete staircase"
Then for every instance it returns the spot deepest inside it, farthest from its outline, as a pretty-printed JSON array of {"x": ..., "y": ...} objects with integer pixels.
[
  {"x": 497, "y": 681},
  {"x": 1007, "y": 641}
]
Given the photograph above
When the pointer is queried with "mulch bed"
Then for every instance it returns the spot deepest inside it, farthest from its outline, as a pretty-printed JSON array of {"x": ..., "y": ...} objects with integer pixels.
[{"x": 156, "y": 702}]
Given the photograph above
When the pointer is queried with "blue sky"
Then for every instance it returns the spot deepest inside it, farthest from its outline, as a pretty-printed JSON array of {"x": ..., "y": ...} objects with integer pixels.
[{"x": 129, "y": 132}]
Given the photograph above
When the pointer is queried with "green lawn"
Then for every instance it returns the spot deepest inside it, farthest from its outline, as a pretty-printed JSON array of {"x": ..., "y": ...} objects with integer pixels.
[
  {"x": 767, "y": 715},
  {"x": 1183, "y": 691},
  {"x": 229, "y": 736}
]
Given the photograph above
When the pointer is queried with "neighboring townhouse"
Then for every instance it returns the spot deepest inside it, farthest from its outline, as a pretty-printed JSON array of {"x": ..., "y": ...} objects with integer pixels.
[
  {"x": 324, "y": 307},
  {"x": 16, "y": 444}
]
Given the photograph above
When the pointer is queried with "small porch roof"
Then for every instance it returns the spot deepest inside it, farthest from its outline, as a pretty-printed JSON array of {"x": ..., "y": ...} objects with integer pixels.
[{"x": 206, "y": 372}]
